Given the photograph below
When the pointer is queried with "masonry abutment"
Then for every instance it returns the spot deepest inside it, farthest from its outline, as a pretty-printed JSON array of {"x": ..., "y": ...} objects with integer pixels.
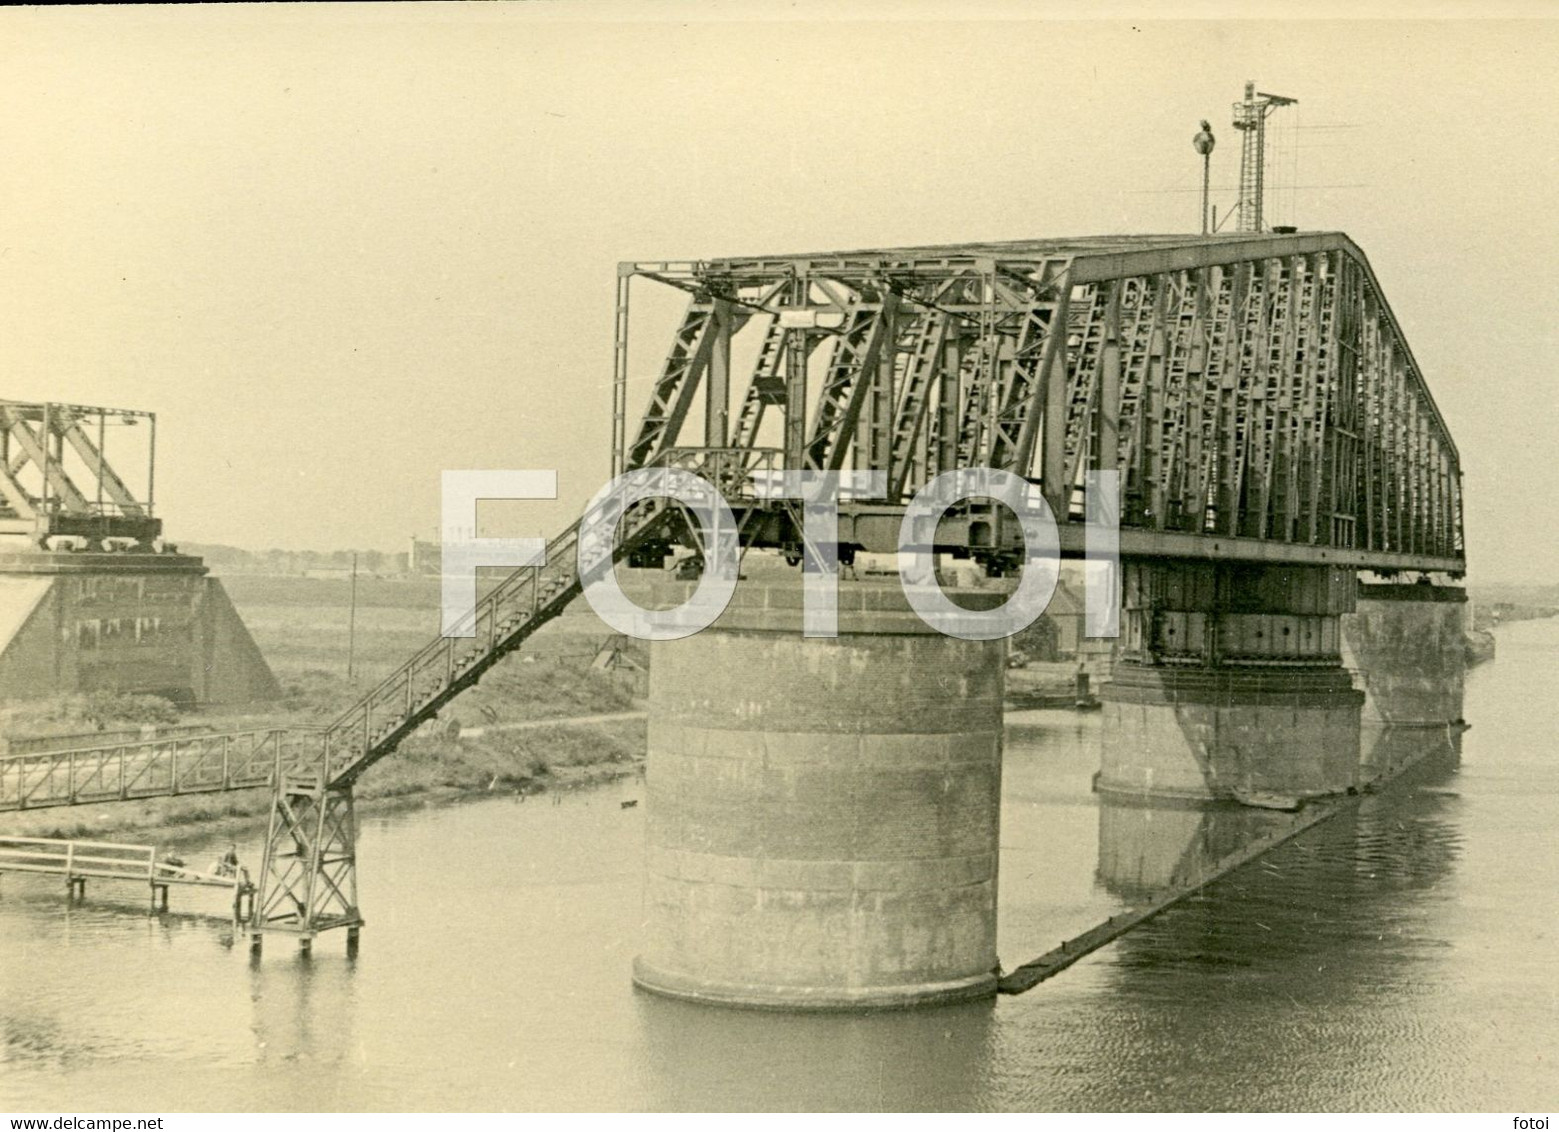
[
  {"x": 823, "y": 814},
  {"x": 125, "y": 622},
  {"x": 1230, "y": 684}
]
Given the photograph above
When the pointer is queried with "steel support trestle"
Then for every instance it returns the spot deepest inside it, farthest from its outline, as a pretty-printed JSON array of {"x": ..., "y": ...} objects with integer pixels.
[{"x": 308, "y": 878}]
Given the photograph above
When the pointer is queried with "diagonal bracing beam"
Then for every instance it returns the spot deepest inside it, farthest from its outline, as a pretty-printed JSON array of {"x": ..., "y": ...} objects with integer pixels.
[
  {"x": 856, "y": 349},
  {"x": 35, "y": 447}
]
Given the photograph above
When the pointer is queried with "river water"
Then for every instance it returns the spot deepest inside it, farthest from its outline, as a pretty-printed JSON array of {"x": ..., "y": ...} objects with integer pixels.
[{"x": 1400, "y": 956}]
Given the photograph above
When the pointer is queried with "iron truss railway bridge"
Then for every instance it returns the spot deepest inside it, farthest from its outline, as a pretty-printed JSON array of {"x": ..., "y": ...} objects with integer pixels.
[{"x": 1254, "y": 392}]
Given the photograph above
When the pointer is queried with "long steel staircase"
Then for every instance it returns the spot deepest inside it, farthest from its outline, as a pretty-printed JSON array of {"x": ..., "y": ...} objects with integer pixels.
[
  {"x": 308, "y": 877},
  {"x": 514, "y": 609}
]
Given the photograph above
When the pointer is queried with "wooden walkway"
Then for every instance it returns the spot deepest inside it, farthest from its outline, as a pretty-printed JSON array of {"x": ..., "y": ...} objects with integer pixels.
[{"x": 80, "y": 861}]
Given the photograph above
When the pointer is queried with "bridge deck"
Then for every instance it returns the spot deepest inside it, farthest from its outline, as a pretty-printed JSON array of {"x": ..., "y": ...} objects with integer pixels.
[{"x": 154, "y": 768}]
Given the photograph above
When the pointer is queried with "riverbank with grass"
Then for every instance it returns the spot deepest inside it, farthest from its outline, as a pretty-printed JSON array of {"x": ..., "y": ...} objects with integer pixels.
[
  {"x": 535, "y": 760},
  {"x": 532, "y": 726}
]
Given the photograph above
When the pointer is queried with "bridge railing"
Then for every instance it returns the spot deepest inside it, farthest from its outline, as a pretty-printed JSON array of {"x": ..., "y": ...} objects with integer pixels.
[
  {"x": 501, "y": 620},
  {"x": 154, "y": 768},
  {"x": 32, "y": 744},
  {"x": 80, "y": 861},
  {"x": 106, "y": 860}
]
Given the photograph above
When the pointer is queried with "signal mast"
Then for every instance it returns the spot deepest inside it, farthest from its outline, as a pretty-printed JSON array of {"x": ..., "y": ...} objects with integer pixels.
[{"x": 1250, "y": 118}]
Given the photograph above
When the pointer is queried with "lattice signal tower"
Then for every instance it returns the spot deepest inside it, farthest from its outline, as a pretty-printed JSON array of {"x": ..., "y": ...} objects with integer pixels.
[{"x": 1250, "y": 118}]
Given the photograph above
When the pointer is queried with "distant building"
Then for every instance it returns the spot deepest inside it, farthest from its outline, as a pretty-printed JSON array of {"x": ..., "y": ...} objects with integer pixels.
[
  {"x": 424, "y": 558},
  {"x": 1066, "y": 611}
]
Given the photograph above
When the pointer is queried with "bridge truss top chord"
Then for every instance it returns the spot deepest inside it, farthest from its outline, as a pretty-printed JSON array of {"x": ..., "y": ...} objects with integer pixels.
[{"x": 1253, "y": 391}]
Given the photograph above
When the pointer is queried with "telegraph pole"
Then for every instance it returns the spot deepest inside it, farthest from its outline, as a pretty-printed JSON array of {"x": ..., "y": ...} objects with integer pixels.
[{"x": 351, "y": 627}]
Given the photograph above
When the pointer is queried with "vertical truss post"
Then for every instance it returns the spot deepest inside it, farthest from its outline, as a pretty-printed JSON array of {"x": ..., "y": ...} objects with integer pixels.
[
  {"x": 1186, "y": 464},
  {"x": 308, "y": 876},
  {"x": 42, "y": 458},
  {"x": 942, "y": 442},
  {"x": 1058, "y": 367},
  {"x": 1156, "y": 404},
  {"x": 798, "y": 353},
  {"x": 102, "y": 469},
  {"x": 717, "y": 387},
  {"x": 985, "y": 367},
  {"x": 1106, "y": 451},
  {"x": 620, "y": 373},
  {"x": 874, "y": 450},
  {"x": 151, "y": 466}
]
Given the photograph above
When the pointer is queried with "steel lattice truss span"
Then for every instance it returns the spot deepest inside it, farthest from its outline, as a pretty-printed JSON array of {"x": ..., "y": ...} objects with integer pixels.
[
  {"x": 56, "y": 479},
  {"x": 1255, "y": 392}
]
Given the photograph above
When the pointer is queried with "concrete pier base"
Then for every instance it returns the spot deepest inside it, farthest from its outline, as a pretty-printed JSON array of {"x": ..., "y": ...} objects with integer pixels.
[
  {"x": 1208, "y": 734},
  {"x": 822, "y": 814},
  {"x": 1230, "y": 684},
  {"x": 1407, "y": 643}
]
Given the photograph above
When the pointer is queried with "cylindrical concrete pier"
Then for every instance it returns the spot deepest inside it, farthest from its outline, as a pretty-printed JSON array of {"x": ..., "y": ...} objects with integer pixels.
[{"x": 823, "y": 814}]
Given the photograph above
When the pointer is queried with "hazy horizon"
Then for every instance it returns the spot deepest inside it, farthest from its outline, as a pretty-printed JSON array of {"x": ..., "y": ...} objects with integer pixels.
[{"x": 340, "y": 249}]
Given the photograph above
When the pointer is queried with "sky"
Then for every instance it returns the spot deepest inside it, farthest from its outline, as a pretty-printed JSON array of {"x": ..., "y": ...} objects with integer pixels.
[{"x": 340, "y": 249}]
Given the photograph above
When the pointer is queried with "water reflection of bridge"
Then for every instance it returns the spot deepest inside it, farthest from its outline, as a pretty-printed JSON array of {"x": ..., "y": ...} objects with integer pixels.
[{"x": 1148, "y": 849}]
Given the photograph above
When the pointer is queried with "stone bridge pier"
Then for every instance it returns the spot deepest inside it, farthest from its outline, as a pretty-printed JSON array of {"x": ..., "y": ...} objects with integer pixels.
[
  {"x": 823, "y": 814},
  {"x": 1231, "y": 684},
  {"x": 1407, "y": 643}
]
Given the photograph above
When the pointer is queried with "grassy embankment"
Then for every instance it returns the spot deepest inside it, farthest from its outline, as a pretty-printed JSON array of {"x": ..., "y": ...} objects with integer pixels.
[{"x": 300, "y": 625}]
